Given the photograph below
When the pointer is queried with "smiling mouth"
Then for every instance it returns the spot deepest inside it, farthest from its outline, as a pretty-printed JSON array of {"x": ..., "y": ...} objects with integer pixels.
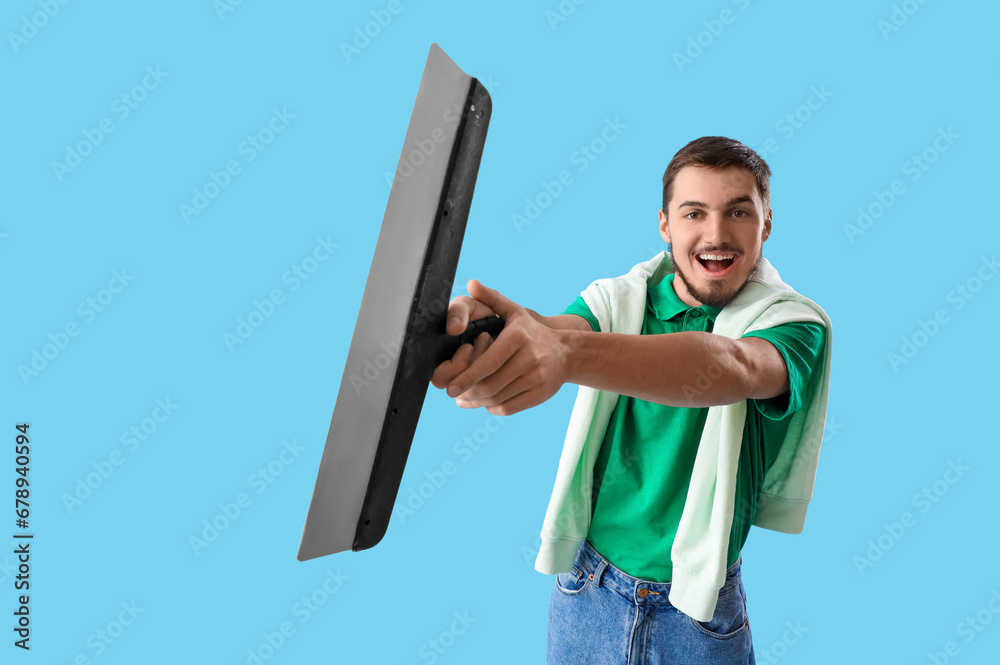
[{"x": 717, "y": 264}]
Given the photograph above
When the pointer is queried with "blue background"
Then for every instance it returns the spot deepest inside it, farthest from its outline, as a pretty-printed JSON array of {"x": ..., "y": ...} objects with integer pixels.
[{"x": 863, "y": 583}]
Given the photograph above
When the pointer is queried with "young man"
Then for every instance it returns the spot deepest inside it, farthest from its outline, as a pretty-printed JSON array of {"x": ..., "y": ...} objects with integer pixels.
[{"x": 703, "y": 386}]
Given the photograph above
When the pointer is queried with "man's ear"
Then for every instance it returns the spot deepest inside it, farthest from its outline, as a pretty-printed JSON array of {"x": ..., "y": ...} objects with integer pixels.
[
  {"x": 664, "y": 229},
  {"x": 767, "y": 226}
]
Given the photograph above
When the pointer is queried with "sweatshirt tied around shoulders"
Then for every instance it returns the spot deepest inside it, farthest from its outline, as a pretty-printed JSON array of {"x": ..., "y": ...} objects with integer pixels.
[{"x": 701, "y": 545}]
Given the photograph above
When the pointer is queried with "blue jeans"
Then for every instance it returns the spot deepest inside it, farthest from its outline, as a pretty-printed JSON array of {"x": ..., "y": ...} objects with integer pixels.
[{"x": 600, "y": 615}]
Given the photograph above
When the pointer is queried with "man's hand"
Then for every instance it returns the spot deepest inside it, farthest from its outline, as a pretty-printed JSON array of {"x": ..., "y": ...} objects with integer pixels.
[
  {"x": 461, "y": 311},
  {"x": 522, "y": 368}
]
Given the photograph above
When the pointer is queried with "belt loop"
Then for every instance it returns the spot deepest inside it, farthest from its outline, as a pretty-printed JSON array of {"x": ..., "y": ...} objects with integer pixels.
[{"x": 598, "y": 573}]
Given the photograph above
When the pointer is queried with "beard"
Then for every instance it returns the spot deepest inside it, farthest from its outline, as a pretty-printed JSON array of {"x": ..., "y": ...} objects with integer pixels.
[{"x": 718, "y": 294}]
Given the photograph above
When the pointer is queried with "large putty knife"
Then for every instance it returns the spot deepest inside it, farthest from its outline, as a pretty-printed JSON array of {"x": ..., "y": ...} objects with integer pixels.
[{"x": 399, "y": 337}]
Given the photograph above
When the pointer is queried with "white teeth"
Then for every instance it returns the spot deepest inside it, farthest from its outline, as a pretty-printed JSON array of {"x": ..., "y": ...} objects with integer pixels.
[{"x": 715, "y": 257}]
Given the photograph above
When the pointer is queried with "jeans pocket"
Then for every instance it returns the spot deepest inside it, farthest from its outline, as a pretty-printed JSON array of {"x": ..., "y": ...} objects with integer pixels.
[
  {"x": 730, "y": 617},
  {"x": 573, "y": 582}
]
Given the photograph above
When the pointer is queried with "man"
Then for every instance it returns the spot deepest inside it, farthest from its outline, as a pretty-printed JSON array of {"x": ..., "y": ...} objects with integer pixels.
[{"x": 682, "y": 436}]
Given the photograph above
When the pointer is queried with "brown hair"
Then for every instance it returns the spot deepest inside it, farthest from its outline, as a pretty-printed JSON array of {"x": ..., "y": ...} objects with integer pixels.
[{"x": 718, "y": 152}]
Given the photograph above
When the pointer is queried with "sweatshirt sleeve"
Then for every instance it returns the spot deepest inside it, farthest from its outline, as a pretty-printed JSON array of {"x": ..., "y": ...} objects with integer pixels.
[{"x": 800, "y": 344}]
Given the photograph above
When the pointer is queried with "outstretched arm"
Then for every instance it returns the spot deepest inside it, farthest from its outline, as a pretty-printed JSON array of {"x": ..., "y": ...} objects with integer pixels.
[{"x": 530, "y": 361}]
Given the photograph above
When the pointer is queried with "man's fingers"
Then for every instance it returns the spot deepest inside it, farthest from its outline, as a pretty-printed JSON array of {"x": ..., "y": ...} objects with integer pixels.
[
  {"x": 495, "y": 395},
  {"x": 492, "y": 298},
  {"x": 463, "y": 310},
  {"x": 492, "y": 359},
  {"x": 449, "y": 369},
  {"x": 490, "y": 374},
  {"x": 463, "y": 358},
  {"x": 458, "y": 315},
  {"x": 518, "y": 403},
  {"x": 514, "y": 399},
  {"x": 479, "y": 347}
]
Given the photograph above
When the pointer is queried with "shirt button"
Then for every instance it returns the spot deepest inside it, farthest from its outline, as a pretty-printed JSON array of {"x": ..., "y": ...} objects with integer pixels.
[
  {"x": 643, "y": 593},
  {"x": 696, "y": 313}
]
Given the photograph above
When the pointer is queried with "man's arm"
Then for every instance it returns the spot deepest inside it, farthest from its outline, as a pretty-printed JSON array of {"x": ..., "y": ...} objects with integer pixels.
[
  {"x": 561, "y": 321},
  {"x": 691, "y": 369},
  {"x": 530, "y": 361}
]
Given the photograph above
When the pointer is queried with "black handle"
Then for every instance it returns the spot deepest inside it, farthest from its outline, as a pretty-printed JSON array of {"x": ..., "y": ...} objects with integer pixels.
[
  {"x": 491, "y": 324},
  {"x": 444, "y": 346}
]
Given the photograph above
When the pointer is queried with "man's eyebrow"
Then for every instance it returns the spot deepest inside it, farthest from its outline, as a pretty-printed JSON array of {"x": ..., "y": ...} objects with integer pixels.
[{"x": 729, "y": 204}]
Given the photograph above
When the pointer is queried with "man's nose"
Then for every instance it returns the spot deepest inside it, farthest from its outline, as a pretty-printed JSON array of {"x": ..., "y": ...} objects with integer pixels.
[{"x": 716, "y": 231}]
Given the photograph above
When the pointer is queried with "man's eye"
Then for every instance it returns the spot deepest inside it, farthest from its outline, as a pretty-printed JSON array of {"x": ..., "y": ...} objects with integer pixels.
[
  {"x": 740, "y": 213},
  {"x": 689, "y": 215}
]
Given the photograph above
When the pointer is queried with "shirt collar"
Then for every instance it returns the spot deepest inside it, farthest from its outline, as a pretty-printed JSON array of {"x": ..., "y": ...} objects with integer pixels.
[{"x": 667, "y": 304}]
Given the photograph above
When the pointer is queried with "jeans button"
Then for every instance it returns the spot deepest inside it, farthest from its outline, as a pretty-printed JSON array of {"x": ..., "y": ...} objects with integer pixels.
[{"x": 643, "y": 593}]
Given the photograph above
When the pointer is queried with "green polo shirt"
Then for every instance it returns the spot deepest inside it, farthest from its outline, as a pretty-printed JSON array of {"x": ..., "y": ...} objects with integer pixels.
[{"x": 644, "y": 467}]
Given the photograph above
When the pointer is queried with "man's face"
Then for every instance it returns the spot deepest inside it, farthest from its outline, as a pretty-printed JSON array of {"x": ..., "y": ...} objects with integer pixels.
[{"x": 716, "y": 227}]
